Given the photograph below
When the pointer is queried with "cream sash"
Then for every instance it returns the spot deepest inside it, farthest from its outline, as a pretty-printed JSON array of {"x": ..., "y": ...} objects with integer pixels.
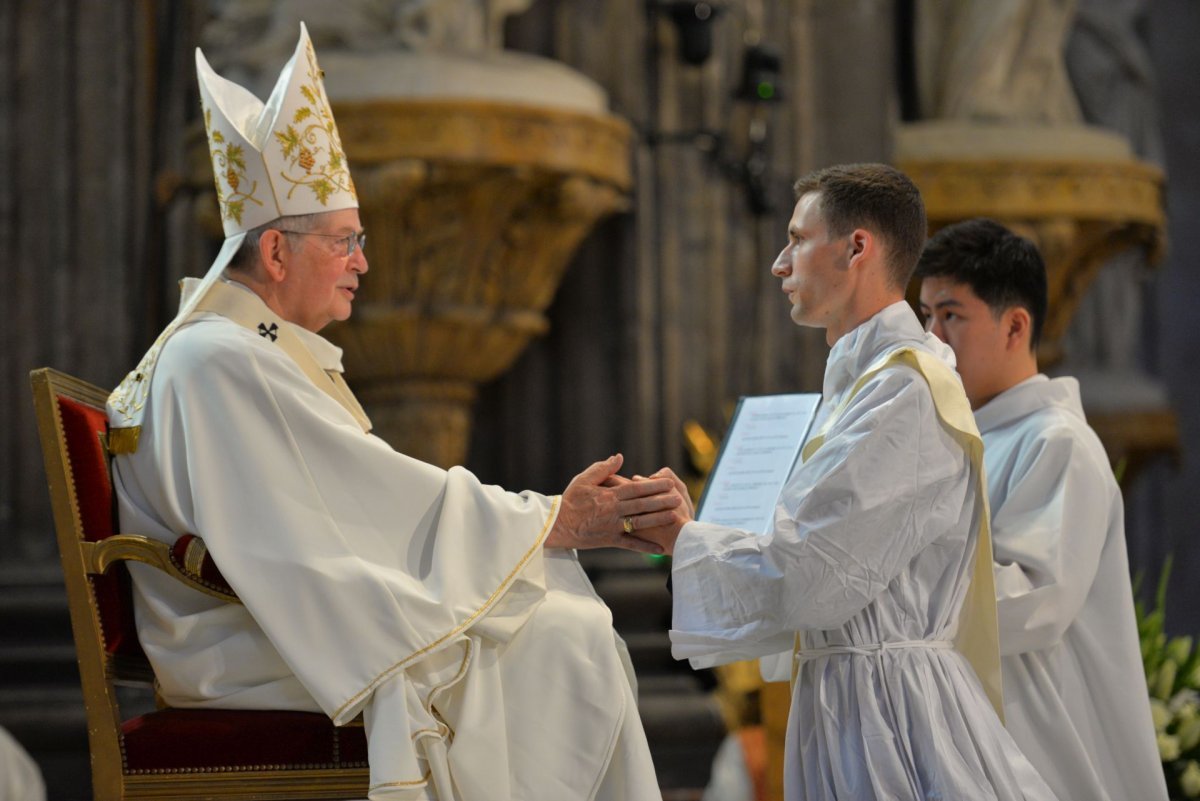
[
  {"x": 247, "y": 310},
  {"x": 978, "y": 637}
]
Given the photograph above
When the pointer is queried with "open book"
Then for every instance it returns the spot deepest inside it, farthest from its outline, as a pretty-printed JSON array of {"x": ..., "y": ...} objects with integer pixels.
[{"x": 757, "y": 456}]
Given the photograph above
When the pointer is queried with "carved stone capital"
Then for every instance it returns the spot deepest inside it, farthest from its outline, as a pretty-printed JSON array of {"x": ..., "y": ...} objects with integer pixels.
[
  {"x": 474, "y": 210},
  {"x": 483, "y": 132}
]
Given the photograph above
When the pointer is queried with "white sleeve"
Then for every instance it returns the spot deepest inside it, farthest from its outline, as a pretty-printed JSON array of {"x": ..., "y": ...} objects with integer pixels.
[
  {"x": 354, "y": 559},
  {"x": 1047, "y": 537},
  {"x": 888, "y": 481}
]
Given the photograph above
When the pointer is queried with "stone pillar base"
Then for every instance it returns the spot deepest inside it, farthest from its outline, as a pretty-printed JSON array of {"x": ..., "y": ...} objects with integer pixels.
[{"x": 427, "y": 420}]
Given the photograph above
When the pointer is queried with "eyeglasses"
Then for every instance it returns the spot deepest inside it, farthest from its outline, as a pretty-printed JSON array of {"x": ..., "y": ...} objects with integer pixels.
[{"x": 352, "y": 240}]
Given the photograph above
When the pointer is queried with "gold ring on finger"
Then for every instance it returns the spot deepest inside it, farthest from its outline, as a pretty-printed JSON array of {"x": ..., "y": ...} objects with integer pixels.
[{"x": 627, "y": 524}]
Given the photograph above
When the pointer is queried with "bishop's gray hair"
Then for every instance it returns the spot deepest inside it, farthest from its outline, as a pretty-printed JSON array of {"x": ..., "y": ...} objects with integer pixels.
[{"x": 247, "y": 258}]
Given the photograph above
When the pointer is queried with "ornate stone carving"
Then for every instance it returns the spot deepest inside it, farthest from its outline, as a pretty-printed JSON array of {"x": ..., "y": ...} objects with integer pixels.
[
  {"x": 480, "y": 131},
  {"x": 474, "y": 210},
  {"x": 1078, "y": 212},
  {"x": 1135, "y": 437}
]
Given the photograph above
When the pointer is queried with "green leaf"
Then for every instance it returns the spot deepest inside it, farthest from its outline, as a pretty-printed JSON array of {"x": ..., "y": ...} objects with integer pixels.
[
  {"x": 233, "y": 210},
  {"x": 302, "y": 114},
  {"x": 309, "y": 95},
  {"x": 289, "y": 139},
  {"x": 323, "y": 190},
  {"x": 1179, "y": 649},
  {"x": 1164, "y": 681},
  {"x": 1189, "y": 669},
  {"x": 1119, "y": 469},
  {"x": 1160, "y": 597},
  {"x": 236, "y": 155}
]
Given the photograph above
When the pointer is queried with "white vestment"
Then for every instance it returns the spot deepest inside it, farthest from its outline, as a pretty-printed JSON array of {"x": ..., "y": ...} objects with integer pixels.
[
  {"x": 872, "y": 543},
  {"x": 1074, "y": 690},
  {"x": 485, "y": 668},
  {"x": 20, "y": 779}
]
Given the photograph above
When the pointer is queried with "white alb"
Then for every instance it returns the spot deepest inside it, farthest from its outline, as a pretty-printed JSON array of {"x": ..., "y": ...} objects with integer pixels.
[
  {"x": 869, "y": 561},
  {"x": 1074, "y": 692}
]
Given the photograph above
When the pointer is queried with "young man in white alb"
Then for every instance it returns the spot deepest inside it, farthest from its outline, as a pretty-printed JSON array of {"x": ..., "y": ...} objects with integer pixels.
[{"x": 877, "y": 568}]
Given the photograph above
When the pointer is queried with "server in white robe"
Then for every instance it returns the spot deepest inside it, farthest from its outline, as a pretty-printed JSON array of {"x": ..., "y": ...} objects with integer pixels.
[
  {"x": 452, "y": 615},
  {"x": 871, "y": 566},
  {"x": 1075, "y": 694}
]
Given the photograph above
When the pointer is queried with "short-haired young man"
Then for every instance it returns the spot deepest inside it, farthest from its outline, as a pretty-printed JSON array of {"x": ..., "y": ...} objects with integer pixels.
[
  {"x": 870, "y": 564},
  {"x": 1075, "y": 696}
]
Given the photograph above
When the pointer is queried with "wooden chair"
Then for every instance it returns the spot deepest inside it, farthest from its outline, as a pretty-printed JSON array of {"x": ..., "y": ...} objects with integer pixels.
[{"x": 180, "y": 754}]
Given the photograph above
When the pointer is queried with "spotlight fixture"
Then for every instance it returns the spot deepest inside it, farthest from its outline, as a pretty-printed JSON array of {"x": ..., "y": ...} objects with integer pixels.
[
  {"x": 694, "y": 22},
  {"x": 741, "y": 156},
  {"x": 760, "y": 75}
]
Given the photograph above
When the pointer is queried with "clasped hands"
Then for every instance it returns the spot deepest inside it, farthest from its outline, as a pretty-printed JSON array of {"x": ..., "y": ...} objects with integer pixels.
[{"x": 600, "y": 509}]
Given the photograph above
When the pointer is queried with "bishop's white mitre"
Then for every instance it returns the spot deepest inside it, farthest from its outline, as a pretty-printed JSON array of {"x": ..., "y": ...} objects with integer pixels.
[{"x": 270, "y": 160}]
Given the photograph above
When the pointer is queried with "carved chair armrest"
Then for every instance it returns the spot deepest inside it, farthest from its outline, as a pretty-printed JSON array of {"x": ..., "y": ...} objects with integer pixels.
[{"x": 187, "y": 560}]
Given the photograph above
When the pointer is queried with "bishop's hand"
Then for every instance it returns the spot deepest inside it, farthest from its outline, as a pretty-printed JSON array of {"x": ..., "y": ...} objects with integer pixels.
[
  {"x": 666, "y": 527},
  {"x": 595, "y": 513}
]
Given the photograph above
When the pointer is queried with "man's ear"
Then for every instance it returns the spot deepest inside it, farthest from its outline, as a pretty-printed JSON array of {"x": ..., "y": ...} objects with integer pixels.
[
  {"x": 1018, "y": 328},
  {"x": 859, "y": 245},
  {"x": 272, "y": 253}
]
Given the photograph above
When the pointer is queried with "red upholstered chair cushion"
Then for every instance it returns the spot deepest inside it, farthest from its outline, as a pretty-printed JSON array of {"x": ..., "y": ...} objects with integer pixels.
[
  {"x": 193, "y": 739},
  {"x": 83, "y": 426}
]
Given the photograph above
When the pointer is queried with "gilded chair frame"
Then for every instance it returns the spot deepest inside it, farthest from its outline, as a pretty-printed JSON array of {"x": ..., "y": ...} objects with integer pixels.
[{"x": 100, "y": 672}]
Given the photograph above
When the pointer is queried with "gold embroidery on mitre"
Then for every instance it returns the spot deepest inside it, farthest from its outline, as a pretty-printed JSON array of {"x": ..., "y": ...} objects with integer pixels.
[
  {"x": 313, "y": 150},
  {"x": 229, "y": 172},
  {"x": 244, "y": 164}
]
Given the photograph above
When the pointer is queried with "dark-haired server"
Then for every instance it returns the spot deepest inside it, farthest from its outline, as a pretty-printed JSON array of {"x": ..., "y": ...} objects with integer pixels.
[{"x": 1074, "y": 694}]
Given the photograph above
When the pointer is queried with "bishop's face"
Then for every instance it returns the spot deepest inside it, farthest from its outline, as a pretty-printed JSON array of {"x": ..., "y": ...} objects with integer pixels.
[
  {"x": 321, "y": 279},
  {"x": 813, "y": 267}
]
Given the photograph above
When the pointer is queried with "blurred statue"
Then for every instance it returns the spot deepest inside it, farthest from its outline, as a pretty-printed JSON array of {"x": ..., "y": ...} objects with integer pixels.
[
  {"x": 393, "y": 48},
  {"x": 994, "y": 61},
  {"x": 269, "y": 26},
  {"x": 1111, "y": 70}
]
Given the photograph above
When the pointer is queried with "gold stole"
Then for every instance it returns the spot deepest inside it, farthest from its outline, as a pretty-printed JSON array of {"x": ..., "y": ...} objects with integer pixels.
[
  {"x": 978, "y": 637},
  {"x": 247, "y": 310}
]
